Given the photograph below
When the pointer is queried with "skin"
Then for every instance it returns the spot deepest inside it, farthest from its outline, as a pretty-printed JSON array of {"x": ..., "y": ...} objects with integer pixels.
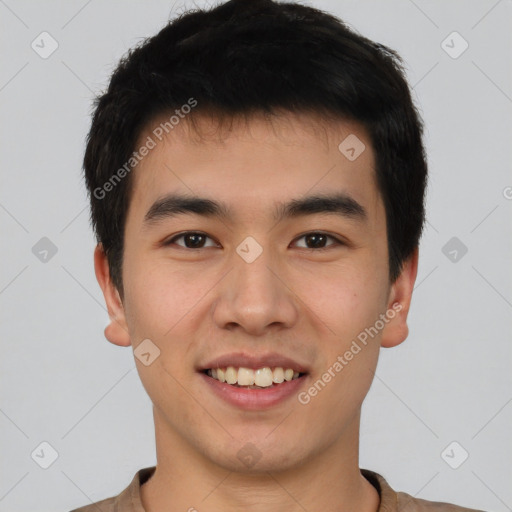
[{"x": 306, "y": 304}]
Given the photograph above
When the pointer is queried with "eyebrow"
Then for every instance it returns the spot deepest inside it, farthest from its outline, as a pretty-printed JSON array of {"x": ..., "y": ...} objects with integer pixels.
[{"x": 172, "y": 205}]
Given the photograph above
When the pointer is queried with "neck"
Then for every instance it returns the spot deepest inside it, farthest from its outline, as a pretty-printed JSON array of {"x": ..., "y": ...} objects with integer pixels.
[{"x": 185, "y": 480}]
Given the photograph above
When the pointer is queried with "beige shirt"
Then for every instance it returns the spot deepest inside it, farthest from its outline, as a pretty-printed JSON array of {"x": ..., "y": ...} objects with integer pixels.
[{"x": 390, "y": 501}]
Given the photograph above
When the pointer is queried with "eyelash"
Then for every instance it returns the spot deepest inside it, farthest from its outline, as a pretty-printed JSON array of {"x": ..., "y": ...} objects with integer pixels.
[{"x": 336, "y": 243}]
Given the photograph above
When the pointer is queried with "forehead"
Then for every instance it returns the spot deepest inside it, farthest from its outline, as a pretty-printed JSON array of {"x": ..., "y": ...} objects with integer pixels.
[{"x": 253, "y": 163}]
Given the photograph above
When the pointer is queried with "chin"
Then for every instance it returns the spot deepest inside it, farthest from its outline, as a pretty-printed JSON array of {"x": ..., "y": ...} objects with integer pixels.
[{"x": 256, "y": 455}]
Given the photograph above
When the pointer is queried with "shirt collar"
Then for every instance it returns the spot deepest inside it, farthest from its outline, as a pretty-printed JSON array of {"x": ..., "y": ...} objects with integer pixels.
[{"x": 130, "y": 501}]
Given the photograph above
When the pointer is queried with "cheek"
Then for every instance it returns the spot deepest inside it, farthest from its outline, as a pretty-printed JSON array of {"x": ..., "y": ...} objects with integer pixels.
[
  {"x": 163, "y": 303},
  {"x": 156, "y": 300},
  {"x": 157, "y": 305},
  {"x": 347, "y": 301},
  {"x": 349, "y": 354}
]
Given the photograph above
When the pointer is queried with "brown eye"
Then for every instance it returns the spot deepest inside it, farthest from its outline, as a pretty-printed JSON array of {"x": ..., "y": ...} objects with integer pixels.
[
  {"x": 317, "y": 240},
  {"x": 191, "y": 240}
]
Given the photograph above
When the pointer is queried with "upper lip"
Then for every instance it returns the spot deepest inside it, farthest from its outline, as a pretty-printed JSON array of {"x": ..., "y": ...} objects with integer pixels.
[{"x": 240, "y": 359}]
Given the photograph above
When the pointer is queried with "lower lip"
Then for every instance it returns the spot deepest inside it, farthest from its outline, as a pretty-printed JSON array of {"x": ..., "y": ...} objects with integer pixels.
[{"x": 254, "y": 399}]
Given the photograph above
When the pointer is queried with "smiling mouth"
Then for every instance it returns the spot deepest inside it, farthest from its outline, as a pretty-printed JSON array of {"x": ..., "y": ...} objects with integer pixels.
[{"x": 249, "y": 378}]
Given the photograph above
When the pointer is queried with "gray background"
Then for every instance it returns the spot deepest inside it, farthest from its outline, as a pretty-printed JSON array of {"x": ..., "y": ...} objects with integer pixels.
[{"x": 63, "y": 383}]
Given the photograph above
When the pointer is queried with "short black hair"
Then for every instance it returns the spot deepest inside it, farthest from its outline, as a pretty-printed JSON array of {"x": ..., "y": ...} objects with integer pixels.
[{"x": 244, "y": 57}]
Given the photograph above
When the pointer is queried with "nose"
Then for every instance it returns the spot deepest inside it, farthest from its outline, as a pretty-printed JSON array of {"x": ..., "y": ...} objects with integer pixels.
[{"x": 255, "y": 297}]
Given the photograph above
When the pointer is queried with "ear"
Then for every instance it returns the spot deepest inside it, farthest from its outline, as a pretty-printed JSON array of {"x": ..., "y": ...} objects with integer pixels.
[
  {"x": 116, "y": 331},
  {"x": 400, "y": 295}
]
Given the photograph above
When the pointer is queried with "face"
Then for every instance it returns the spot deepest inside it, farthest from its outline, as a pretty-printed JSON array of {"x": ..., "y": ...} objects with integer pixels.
[{"x": 284, "y": 272}]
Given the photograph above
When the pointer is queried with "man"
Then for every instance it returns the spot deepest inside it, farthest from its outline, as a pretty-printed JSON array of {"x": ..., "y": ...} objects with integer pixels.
[{"x": 257, "y": 177}]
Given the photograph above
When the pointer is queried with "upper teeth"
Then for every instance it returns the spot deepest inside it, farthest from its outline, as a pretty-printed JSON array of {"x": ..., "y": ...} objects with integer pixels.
[{"x": 262, "y": 377}]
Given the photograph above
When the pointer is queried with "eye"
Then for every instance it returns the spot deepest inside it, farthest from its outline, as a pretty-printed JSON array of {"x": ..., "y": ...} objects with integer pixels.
[
  {"x": 316, "y": 241},
  {"x": 192, "y": 240},
  {"x": 196, "y": 240}
]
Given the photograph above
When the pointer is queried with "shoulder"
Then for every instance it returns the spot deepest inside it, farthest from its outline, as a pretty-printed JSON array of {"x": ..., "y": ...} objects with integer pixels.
[
  {"x": 106, "y": 505},
  {"x": 128, "y": 500},
  {"x": 392, "y": 501},
  {"x": 406, "y": 503}
]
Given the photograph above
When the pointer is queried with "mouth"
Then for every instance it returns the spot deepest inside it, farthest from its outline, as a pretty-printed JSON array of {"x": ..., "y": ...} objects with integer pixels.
[
  {"x": 249, "y": 378},
  {"x": 253, "y": 383}
]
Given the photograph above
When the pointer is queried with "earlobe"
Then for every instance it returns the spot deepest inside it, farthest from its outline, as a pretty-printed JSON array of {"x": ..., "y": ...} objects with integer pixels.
[
  {"x": 117, "y": 330},
  {"x": 396, "y": 330}
]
